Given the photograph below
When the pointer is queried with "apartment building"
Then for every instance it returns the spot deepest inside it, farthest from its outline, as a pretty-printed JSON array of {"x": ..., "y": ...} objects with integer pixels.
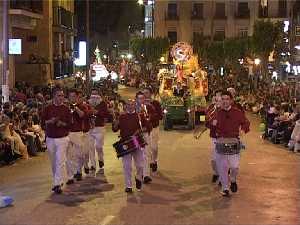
[
  {"x": 46, "y": 29},
  {"x": 180, "y": 20}
]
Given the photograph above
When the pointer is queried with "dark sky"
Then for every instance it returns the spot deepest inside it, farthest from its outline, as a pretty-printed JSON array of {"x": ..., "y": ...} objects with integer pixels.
[{"x": 109, "y": 20}]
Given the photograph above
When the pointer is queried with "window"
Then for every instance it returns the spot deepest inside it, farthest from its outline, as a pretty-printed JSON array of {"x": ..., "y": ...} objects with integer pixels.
[
  {"x": 197, "y": 11},
  {"x": 243, "y": 10},
  {"x": 220, "y": 10},
  {"x": 243, "y": 33},
  {"x": 282, "y": 8},
  {"x": 219, "y": 35},
  {"x": 172, "y": 35},
  {"x": 172, "y": 11},
  {"x": 263, "y": 9}
]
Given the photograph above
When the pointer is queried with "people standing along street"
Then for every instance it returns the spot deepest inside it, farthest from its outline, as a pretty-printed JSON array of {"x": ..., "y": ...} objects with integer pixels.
[
  {"x": 129, "y": 123},
  {"x": 100, "y": 113},
  {"x": 210, "y": 115},
  {"x": 227, "y": 125},
  {"x": 158, "y": 115},
  {"x": 75, "y": 155},
  {"x": 56, "y": 120}
]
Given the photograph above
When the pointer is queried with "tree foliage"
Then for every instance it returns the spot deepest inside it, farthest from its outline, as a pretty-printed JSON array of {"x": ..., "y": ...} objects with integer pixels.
[{"x": 149, "y": 49}]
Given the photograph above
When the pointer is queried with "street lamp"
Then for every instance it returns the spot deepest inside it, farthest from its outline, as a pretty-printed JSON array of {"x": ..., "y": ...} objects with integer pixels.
[{"x": 257, "y": 61}]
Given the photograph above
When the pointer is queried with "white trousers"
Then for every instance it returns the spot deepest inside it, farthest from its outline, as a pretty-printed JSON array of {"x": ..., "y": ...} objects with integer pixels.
[
  {"x": 75, "y": 154},
  {"x": 214, "y": 156},
  {"x": 224, "y": 163},
  {"x": 154, "y": 144},
  {"x": 138, "y": 158},
  {"x": 97, "y": 135},
  {"x": 147, "y": 155},
  {"x": 57, "y": 150},
  {"x": 88, "y": 146}
]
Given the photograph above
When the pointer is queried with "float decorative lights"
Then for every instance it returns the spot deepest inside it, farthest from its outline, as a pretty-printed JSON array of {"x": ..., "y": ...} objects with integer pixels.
[{"x": 257, "y": 61}]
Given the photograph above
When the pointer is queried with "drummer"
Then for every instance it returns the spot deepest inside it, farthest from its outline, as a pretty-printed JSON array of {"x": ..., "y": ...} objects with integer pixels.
[{"x": 129, "y": 123}]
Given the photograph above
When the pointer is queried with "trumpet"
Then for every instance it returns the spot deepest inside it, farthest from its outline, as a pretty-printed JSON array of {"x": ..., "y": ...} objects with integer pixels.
[
  {"x": 210, "y": 116},
  {"x": 72, "y": 107}
]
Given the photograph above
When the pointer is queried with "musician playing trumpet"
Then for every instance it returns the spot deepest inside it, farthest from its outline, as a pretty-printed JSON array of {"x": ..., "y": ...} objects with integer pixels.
[
  {"x": 210, "y": 115},
  {"x": 129, "y": 123},
  {"x": 147, "y": 110}
]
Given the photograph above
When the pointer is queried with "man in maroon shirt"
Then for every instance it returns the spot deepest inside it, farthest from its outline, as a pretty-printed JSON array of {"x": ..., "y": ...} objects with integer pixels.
[
  {"x": 56, "y": 120},
  {"x": 156, "y": 117},
  {"x": 75, "y": 150},
  {"x": 227, "y": 125},
  {"x": 210, "y": 115},
  {"x": 148, "y": 111},
  {"x": 129, "y": 123},
  {"x": 100, "y": 113}
]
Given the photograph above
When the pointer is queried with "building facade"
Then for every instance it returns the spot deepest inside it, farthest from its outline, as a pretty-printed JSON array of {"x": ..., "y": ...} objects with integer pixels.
[
  {"x": 46, "y": 29},
  {"x": 182, "y": 20}
]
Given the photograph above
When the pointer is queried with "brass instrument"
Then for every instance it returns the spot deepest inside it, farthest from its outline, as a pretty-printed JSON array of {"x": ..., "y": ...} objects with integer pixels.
[{"x": 201, "y": 129}]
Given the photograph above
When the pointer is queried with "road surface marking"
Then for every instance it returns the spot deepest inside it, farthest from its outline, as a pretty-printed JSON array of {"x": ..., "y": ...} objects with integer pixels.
[{"x": 107, "y": 220}]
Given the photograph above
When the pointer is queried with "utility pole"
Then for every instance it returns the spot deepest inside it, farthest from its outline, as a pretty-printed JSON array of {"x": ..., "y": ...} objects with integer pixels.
[
  {"x": 88, "y": 77},
  {"x": 5, "y": 67}
]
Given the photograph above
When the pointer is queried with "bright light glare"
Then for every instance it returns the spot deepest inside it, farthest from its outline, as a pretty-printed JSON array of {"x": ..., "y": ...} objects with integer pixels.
[
  {"x": 140, "y": 2},
  {"x": 162, "y": 59},
  {"x": 297, "y": 47},
  {"x": 81, "y": 61},
  {"x": 286, "y": 26},
  {"x": 129, "y": 56},
  {"x": 257, "y": 61}
]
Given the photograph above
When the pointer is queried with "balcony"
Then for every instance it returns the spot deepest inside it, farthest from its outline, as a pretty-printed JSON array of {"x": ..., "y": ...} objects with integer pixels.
[
  {"x": 63, "y": 18},
  {"x": 24, "y": 14},
  {"x": 171, "y": 16},
  {"x": 220, "y": 17}
]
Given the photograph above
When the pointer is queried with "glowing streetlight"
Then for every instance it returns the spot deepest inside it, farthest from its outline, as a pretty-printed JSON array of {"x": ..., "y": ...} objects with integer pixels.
[
  {"x": 257, "y": 61},
  {"x": 140, "y": 2},
  {"x": 129, "y": 56},
  {"x": 122, "y": 56}
]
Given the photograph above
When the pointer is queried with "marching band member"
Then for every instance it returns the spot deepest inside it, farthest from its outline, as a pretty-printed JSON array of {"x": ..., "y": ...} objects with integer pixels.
[
  {"x": 158, "y": 115},
  {"x": 148, "y": 111},
  {"x": 209, "y": 117},
  {"x": 235, "y": 103},
  {"x": 129, "y": 123},
  {"x": 227, "y": 124},
  {"x": 56, "y": 119},
  {"x": 75, "y": 155},
  {"x": 100, "y": 113}
]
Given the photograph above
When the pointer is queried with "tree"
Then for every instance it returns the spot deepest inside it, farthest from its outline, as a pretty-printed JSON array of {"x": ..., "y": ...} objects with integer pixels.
[
  {"x": 263, "y": 41},
  {"x": 149, "y": 49}
]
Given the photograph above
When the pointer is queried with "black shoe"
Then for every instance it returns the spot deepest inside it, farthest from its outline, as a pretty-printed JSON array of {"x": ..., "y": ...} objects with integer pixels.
[
  {"x": 225, "y": 193},
  {"x": 153, "y": 167},
  {"x": 233, "y": 187},
  {"x": 70, "y": 181},
  {"x": 78, "y": 176},
  {"x": 86, "y": 170},
  {"x": 220, "y": 184},
  {"x": 214, "y": 178},
  {"x": 93, "y": 168},
  {"x": 101, "y": 164},
  {"x": 128, "y": 190},
  {"x": 57, "y": 189},
  {"x": 147, "y": 180},
  {"x": 138, "y": 184}
]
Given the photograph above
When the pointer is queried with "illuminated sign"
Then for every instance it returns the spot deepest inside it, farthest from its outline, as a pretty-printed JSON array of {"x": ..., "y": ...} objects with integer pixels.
[
  {"x": 81, "y": 61},
  {"x": 15, "y": 46}
]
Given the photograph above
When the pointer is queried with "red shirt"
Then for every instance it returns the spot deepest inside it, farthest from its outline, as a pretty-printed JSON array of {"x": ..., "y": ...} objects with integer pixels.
[
  {"x": 158, "y": 115},
  {"x": 77, "y": 121},
  {"x": 102, "y": 113},
  {"x": 229, "y": 123},
  {"x": 129, "y": 124},
  {"x": 63, "y": 113}
]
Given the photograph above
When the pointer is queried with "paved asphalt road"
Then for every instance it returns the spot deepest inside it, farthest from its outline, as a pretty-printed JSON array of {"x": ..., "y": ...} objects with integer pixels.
[{"x": 181, "y": 192}]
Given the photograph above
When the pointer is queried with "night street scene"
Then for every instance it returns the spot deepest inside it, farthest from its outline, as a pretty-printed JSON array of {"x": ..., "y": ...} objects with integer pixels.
[{"x": 150, "y": 112}]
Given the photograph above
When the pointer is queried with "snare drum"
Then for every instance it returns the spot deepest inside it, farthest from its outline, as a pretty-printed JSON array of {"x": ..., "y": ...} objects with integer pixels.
[
  {"x": 228, "y": 146},
  {"x": 126, "y": 146}
]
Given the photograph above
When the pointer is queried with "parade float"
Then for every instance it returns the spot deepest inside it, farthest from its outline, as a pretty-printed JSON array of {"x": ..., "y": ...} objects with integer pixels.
[
  {"x": 97, "y": 68},
  {"x": 183, "y": 87}
]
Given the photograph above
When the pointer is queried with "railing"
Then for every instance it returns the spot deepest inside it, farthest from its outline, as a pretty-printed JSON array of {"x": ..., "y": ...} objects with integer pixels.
[
  {"x": 170, "y": 16},
  {"x": 35, "y": 6}
]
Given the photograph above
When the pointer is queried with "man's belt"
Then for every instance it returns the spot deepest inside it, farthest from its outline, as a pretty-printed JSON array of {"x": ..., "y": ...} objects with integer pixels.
[{"x": 228, "y": 146}]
